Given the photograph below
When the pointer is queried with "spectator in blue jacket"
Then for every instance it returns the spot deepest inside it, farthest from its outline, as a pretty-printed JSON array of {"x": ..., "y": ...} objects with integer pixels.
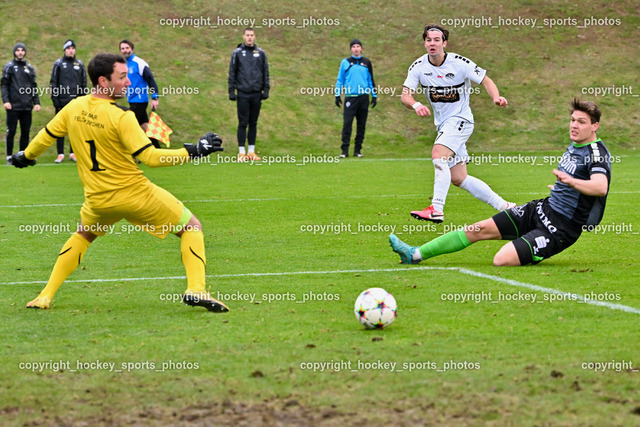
[
  {"x": 142, "y": 85},
  {"x": 355, "y": 79}
]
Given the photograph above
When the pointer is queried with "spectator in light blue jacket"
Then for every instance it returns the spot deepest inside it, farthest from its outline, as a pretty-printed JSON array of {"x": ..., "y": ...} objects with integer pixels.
[{"x": 355, "y": 80}]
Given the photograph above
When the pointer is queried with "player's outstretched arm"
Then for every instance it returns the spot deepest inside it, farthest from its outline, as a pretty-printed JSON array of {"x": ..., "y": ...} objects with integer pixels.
[
  {"x": 207, "y": 144},
  {"x": 19, "y": 160},
  {"x": 156, "y": 157},
  {"x": 494, "y": 93},
  {"x": 38, "y": 145}
]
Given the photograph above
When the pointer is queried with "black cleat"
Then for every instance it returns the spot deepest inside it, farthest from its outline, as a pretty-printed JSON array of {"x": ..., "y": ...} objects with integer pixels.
[{"x": 203, "y": 299}]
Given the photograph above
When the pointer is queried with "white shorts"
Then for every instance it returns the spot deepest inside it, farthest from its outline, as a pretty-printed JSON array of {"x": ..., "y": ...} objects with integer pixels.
[{"x": 454, "y": 134}]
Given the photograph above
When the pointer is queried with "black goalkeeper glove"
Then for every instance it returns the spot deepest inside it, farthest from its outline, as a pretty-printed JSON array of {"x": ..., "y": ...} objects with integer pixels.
[
  {"x": 19, "y": 160},
  {"x": 207, "y": 144}
]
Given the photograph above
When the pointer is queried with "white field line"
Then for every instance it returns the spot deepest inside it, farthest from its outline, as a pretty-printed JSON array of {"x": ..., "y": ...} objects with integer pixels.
[
  {"x": 514, "y": 283},
  {"x": 271, "y": 199}
]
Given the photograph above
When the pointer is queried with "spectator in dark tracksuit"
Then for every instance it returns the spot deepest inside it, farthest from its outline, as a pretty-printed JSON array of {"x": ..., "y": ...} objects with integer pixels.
[
  {"x": 355, "y": 78},
  {"x": 19, "y": 96},
  {"x": 68, "y": 81},
  {"x": 249, "y": 76}
]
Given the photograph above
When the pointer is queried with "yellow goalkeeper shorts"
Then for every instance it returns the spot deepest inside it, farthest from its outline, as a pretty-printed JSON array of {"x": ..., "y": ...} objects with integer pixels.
[{"x": 146, "y": 207}]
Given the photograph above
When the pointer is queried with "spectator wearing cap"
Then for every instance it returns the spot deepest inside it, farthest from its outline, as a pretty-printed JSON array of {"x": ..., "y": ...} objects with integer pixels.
[
  {"x": 68, "y": 81},
  {"x": 19, "y": 96},
  {"x": 355, "y": 80}
]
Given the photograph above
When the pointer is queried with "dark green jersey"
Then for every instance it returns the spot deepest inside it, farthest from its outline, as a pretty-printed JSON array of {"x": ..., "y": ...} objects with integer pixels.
[{"x": 581, "y": 161}]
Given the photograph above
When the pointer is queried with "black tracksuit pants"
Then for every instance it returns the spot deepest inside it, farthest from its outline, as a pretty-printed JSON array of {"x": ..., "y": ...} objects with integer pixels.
[
  {"x": 13, "y": 117},
  {"x": 354, "y": 107},
  {"x": 248, "y": 111}
]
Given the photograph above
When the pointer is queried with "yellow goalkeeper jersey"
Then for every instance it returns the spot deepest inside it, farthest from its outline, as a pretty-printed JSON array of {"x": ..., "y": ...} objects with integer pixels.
[{"x": 105, "y": 138}]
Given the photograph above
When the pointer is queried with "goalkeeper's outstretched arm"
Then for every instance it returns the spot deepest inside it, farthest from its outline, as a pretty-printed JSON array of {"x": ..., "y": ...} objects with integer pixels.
[
  {"x": 43, "y": 140},
  {"x": 157, "y": 157}
]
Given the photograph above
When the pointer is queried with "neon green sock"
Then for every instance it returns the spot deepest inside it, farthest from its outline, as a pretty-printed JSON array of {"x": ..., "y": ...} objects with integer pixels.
[{"x": 453, "y": 241}]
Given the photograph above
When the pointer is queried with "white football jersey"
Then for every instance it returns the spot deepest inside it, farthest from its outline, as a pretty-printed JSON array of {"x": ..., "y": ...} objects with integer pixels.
[{"x": 447, "y": 87}]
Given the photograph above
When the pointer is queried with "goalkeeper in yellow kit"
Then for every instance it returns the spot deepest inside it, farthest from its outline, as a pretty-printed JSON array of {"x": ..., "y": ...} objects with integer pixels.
[{"x": 107, "y": 140}]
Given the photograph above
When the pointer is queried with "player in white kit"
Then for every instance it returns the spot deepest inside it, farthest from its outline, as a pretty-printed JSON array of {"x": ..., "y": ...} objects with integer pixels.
[{"x": 446, "y": 78}]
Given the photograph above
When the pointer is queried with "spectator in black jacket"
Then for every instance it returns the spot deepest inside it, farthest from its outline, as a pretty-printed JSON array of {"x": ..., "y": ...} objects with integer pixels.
[
  {"x": 249, "y": 76},
  {"x": 68, "y": 81},
  {"x": 19, "y": 96}
]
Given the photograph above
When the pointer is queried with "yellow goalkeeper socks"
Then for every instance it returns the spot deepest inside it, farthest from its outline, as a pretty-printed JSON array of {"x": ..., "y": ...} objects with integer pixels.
[
  {"x": 68, "y": 260},
  {"x": 194, "y": 259}
]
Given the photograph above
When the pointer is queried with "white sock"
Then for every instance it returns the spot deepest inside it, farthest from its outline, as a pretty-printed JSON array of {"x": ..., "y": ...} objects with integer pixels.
[
  {"x": 441, "y": 183},
  {"x": 481, "y": 191},
  {"x": 252, "y": 149},
  {"x": 241, "y": 150},
  {"x": 416, "y": 256}
]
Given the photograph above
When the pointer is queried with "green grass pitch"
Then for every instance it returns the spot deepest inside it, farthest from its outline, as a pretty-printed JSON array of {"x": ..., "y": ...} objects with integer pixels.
[
  {"x": 116, "y": 350},
  {"x": 291, "y": 344}
]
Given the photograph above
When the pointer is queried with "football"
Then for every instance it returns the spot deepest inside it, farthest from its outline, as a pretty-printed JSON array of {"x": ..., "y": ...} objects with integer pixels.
[{"x": 375, "y": 308}]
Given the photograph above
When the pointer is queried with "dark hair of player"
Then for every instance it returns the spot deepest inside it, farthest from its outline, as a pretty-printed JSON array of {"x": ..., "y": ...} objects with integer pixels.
[
  {"x": 102, "y": 65},
  {"x": 130, "y": 43},
  {"x": 443, "y": 30},
  {"x": 247, "y": 29},
  {"x": 586, "y": 107}
]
